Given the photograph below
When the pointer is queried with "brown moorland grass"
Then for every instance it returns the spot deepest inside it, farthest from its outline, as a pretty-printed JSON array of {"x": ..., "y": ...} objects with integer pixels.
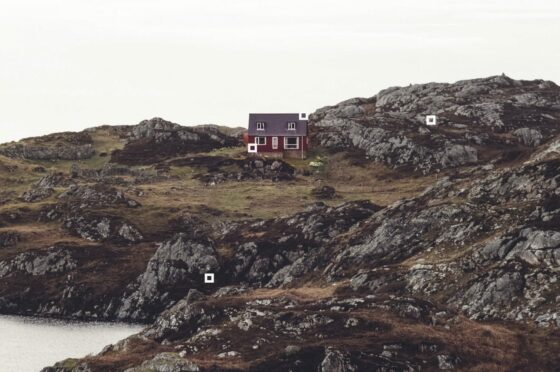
[{"x": 482, "y": 346}]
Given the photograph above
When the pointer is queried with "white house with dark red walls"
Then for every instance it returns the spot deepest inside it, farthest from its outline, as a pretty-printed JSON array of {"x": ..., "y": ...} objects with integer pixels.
[{"x": 278, "y": 135}]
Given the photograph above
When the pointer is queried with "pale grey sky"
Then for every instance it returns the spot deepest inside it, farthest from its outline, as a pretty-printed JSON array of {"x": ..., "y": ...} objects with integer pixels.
[{"x": 72, "y": 64}]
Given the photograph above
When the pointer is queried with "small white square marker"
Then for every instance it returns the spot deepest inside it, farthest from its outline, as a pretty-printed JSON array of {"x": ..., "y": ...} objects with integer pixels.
[
  {"x": 431, "y": 120},
  {"x": 209, "y": 278}
]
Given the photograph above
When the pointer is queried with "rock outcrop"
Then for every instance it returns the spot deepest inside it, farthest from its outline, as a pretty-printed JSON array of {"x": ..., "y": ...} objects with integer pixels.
[
  {"x": 177, "y": 266},
  {"x": 248, "y": 169},
  {"x": 477, "y": 120},
  {"x": 43, "y": 188},
  {"x": 156, "y": 139},
  {"x": 60, "y": 146},
  {"x": 101, "y": 227},
  {"x": 54, "y": 260},
  {"x": 166, "y": 362}
]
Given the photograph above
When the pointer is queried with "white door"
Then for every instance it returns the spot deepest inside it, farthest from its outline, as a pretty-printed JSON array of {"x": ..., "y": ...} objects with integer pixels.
[{"x": 274, "y": 143}]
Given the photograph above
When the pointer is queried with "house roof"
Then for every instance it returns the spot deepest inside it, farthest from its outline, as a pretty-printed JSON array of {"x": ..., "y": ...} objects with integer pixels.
[{"x": 277, "y": 125}]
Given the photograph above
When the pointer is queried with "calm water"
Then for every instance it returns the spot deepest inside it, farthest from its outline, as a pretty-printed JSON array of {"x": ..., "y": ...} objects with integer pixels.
[{"x": 29, "y": 344}]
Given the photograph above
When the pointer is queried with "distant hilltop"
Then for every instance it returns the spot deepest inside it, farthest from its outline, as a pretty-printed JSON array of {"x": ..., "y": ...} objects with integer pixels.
[{"x": 495, "y": 118}]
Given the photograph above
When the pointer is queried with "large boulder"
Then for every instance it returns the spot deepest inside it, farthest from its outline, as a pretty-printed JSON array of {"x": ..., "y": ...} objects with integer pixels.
[
  {"x": 166, "y": 362},
  {"x": 102, "y": 227},
  {"x": 178, "y": 265},
  {"x": 336, "y": 361},
  {"x": 528, "y": 136}
]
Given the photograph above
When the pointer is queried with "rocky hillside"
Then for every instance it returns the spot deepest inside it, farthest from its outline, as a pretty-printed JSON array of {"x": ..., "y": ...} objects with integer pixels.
[
  {"x": 54, "y": 147},
  {"x": 156, "y": 139},
  {"x": 494, "y": 119},
  {"x": 394, "y": 247}
]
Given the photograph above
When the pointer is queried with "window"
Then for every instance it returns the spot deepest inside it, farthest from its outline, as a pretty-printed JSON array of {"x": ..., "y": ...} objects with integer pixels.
[
  {"x": 292, "y": 125},
  {"x": 303, "y": 115},
  {"x": 260, "y": 125},
  {"x": 260, "y": 140},
  {"x": 291, "y": 143}
]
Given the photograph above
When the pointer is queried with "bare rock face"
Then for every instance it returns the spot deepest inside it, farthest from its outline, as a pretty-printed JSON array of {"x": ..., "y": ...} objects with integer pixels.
[
  {"x": 55, "y": 260},
  {"x": 157, "y": 129},
  {"x": 473, "y": 116},
  {"x": 166, "y": 362},
  {"x": 36, "y": 194},
  {"x": 61, "y": 367},
  {"x": 248, "y": 169},
  {"x": 336, "y": 361},
  {"x": 64, "y": 152},
  {"x": 98, "y": 195},
  {"x": 495, "y": 291},
  {"x": 528, "y": 136},
  {"x": 289, "y": 248},
  {"x": 101, "y": 227},
  {"x": 403, "y": 229},
  {"x": 456, "y": 155},
  {"x": 178, "y": 264},
  {"x": 43, "y": 188},
  {"x": 78, "y": 208},
  {"x": 59, "y": 146}
]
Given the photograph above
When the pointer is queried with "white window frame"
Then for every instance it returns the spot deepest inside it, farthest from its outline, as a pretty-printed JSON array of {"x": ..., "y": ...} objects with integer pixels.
[
  {"x": 291, "y": 125},
  {"x": 289, "y": 147},
  {"x": 257, "y": 141},
  {"x": 275, "y": 143},
  {"x": 260, "y": 125},
  {"x": 252, "y": 148}
]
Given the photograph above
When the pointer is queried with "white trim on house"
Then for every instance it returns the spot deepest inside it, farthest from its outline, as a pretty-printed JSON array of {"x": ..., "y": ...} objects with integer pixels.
[
  {"x": 290, "y": 147},
  {"x": 292, "y": 125},
  {"x": 260, "y": 125},
  {"x": 257, "y": 141},
  {"x": 275, "y": 143},
  {"x": 303, "y": 116}
]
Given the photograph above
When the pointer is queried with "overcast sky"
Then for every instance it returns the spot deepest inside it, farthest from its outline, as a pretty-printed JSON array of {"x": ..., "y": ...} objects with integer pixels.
[{"x": 72, "y": 64}]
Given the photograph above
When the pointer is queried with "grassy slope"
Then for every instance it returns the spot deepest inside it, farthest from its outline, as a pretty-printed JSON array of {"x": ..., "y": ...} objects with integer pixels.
[{"x": 180, "y": 193}]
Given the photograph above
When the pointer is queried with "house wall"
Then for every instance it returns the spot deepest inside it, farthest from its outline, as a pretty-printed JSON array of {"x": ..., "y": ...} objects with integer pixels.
[{"x": 268, "y": 147}]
